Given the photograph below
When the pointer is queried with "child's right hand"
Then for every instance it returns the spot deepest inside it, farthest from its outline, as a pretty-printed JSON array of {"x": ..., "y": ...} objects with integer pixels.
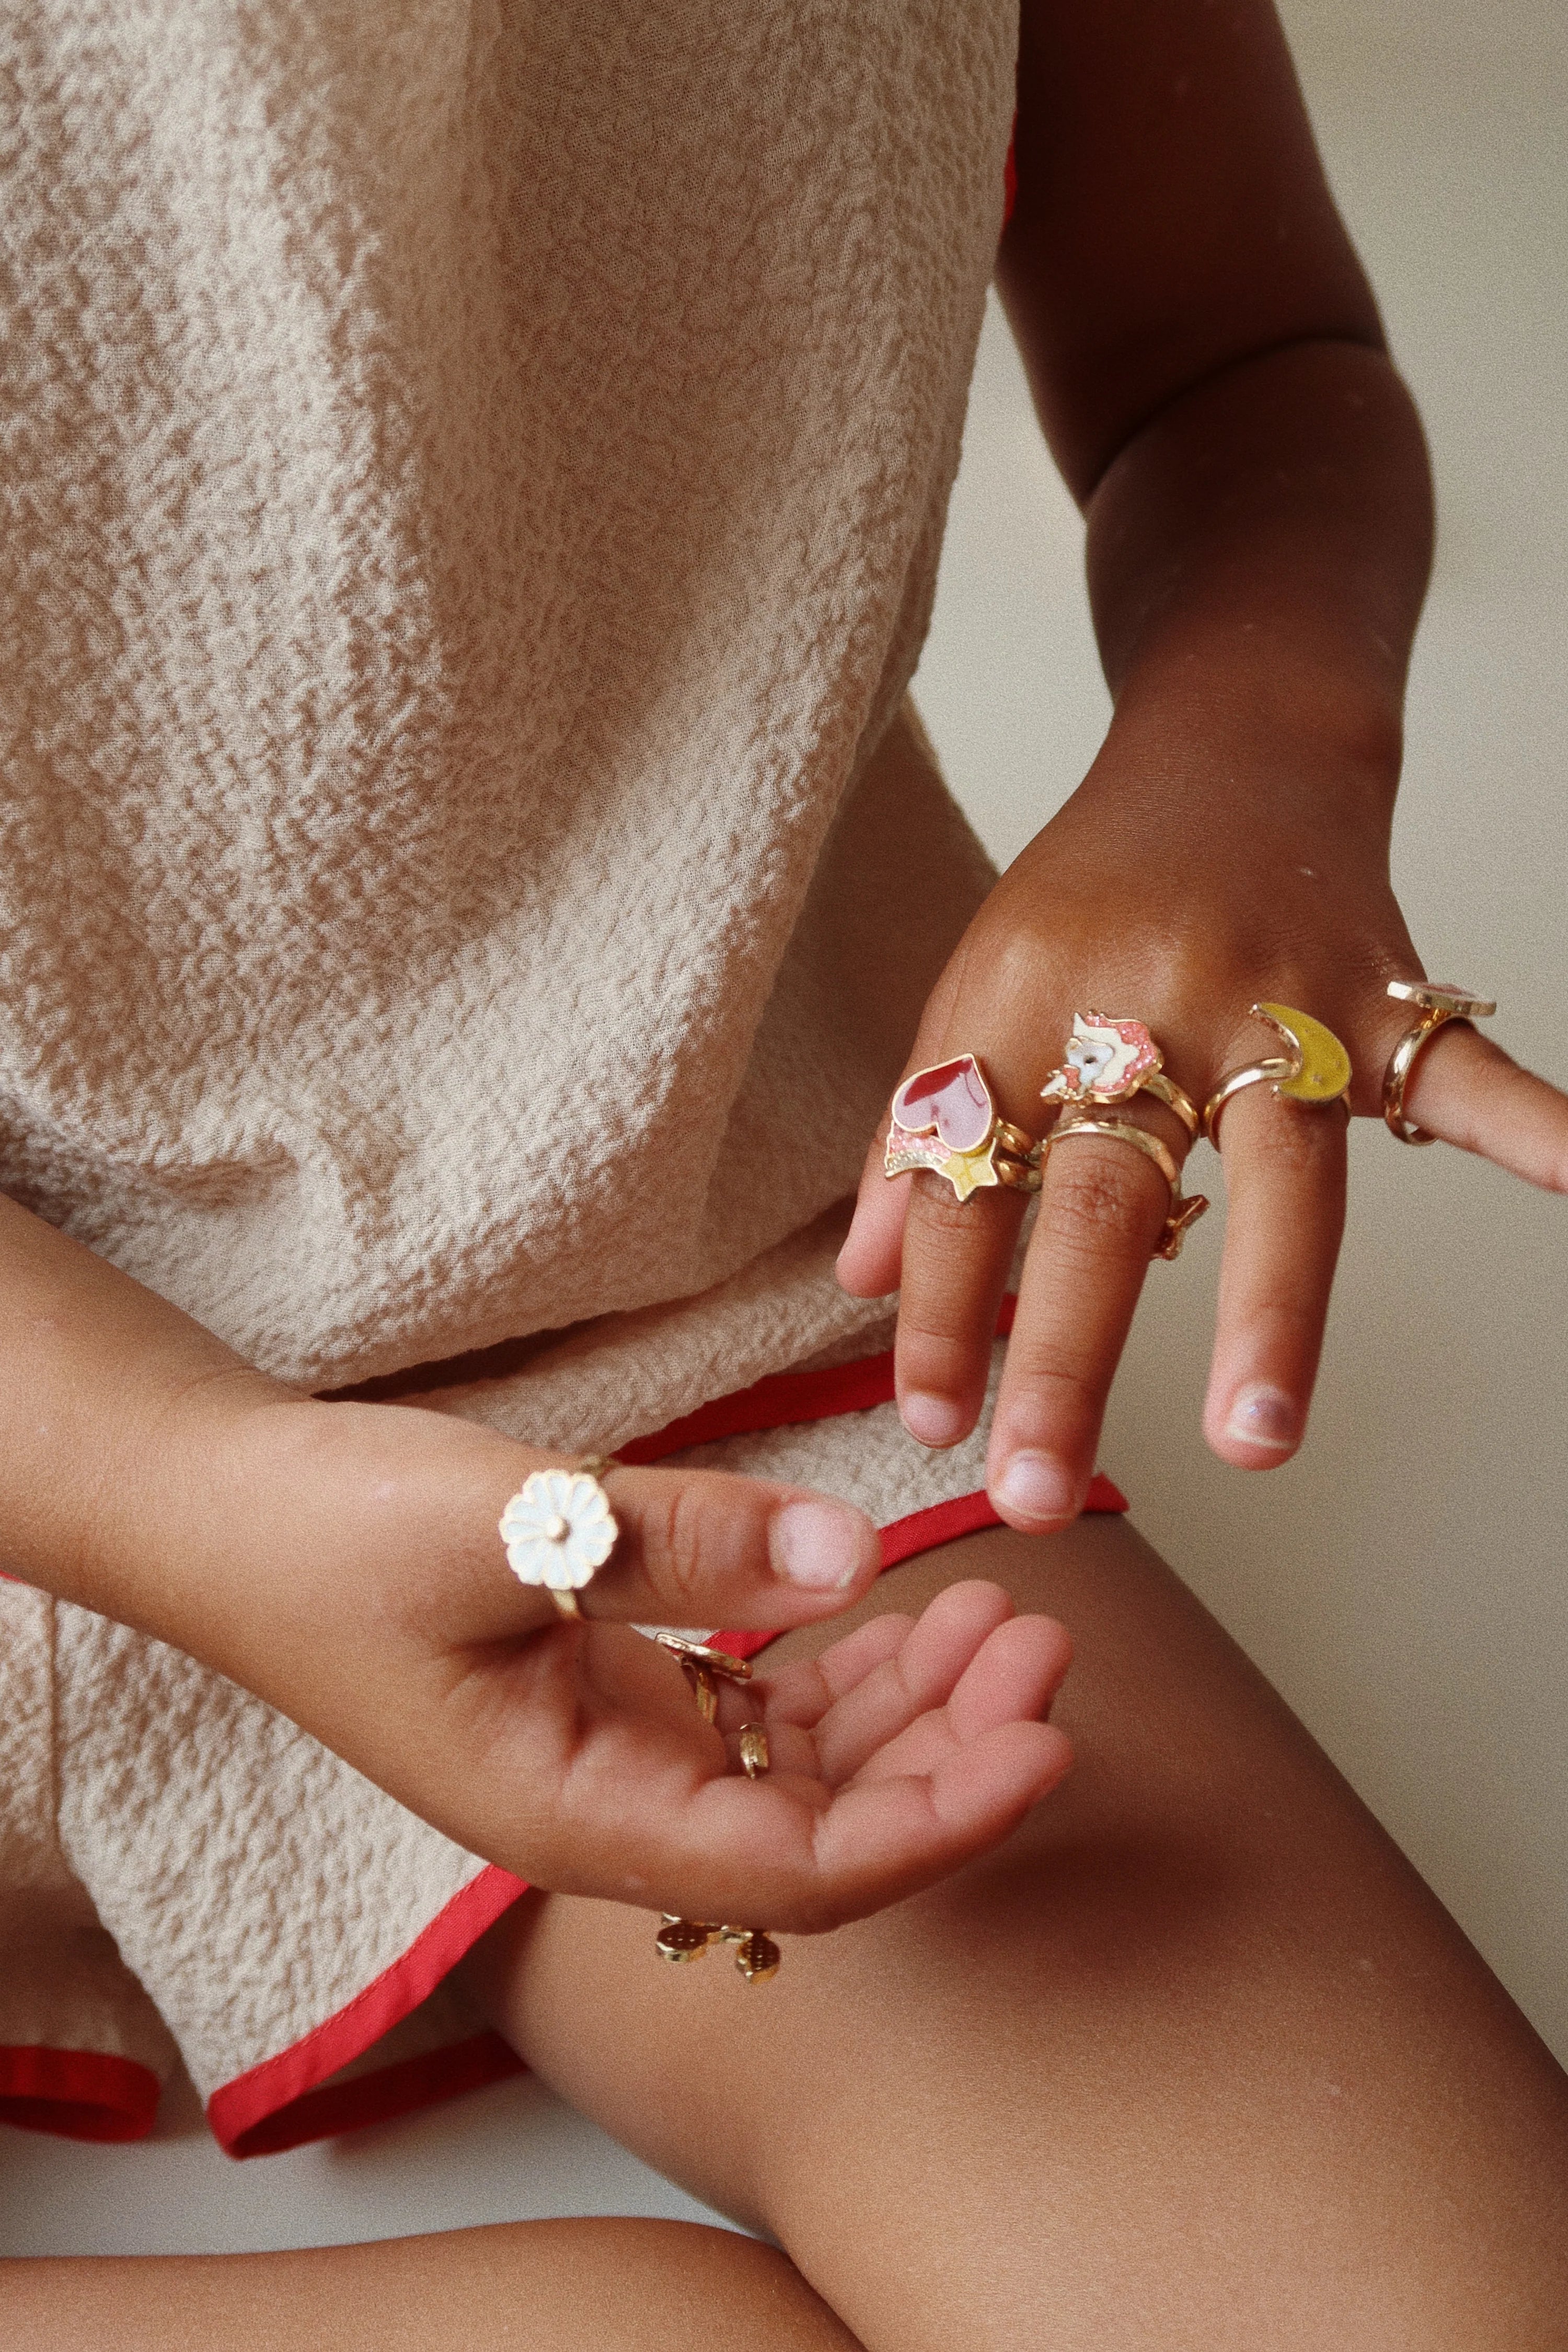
[
  {"x": 350, "y": 1573},
  {"x": 342, "y": 1561}
]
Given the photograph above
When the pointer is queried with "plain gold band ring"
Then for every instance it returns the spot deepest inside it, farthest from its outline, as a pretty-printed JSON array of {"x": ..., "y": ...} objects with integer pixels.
[
  {"x": 1267, "y": 1071},
  {"x": 1437, "y": 1006},
  {"x": 1165, "y": 1089},
  {"x": 1121, "y": 1130}
]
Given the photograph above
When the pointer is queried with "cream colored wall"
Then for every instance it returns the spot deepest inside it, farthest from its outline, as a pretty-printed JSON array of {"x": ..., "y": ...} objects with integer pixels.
[
  {"x": 1406, "y": 1581},
  {"x": 1403, "y": 1581}
]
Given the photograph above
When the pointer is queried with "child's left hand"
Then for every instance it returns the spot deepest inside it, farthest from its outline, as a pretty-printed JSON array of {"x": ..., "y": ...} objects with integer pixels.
[{"x": 1178, "y": 899}]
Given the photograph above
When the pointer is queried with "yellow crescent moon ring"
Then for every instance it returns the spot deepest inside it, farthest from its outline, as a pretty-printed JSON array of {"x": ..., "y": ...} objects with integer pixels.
[{"x": 1325, "y": 1071}]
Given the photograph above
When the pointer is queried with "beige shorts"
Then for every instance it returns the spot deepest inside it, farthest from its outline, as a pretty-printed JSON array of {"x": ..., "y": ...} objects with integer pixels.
[{"x": 185, "y": 1877}]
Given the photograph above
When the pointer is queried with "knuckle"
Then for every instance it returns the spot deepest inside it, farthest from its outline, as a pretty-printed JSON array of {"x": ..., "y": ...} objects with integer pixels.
[
  {"x": 935, "y": 1209},
  {"x": 673, "y": 1536},
  {"x": 1051, "y": 1369},
  {"x": 1093, "y": 1207}
]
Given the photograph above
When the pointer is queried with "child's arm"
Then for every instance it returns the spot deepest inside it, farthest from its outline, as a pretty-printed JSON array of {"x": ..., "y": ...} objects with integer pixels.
[
  {"x": 342, "y": 1561},
  {"x": 1209, "y": 367}
]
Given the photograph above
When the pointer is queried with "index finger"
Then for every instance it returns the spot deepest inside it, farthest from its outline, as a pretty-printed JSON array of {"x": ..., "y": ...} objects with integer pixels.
[{"x": 1467, "y": 1091}]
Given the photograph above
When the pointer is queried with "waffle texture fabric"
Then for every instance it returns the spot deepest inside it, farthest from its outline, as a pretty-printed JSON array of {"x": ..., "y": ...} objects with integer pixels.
[{"x": 472, "y": 481}]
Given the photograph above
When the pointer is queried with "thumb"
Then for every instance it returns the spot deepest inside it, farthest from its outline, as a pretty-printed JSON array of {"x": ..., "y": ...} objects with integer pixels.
[{"x": 699, "y": 1548}]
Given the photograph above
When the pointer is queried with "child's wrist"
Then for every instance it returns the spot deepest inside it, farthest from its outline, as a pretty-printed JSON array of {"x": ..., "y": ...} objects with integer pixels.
[{"x": 148, "y": 1558}]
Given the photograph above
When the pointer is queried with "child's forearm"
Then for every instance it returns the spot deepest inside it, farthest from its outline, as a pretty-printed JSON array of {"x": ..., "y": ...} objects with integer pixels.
[
  {"x": 1258, "y": 556},
  {"x": 1208, "y": 366},
  {"x": 105, "y": 1386}
]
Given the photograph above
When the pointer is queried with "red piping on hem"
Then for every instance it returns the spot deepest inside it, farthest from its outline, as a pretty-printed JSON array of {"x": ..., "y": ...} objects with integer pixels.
[
  {"x": 427, "y": 2081},
  {"x": 77, "y": 2094},
  {"x": 781, "y": 1399},
  {"x": 254, "y": 2102}
]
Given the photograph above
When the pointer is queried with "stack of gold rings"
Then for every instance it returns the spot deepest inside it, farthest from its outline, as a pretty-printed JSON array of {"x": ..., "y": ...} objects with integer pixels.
[
  {"x": 1108, "y": 1062},
  {"x": 756, "y": 1954},
  {"x": 944, "y": 1120}
]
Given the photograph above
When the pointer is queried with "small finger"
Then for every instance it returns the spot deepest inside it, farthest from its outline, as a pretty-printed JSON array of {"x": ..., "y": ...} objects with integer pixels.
[
  {"x": 1012, "y": 1678},
  {"x": 921, "y": 1675},
  {"x": 880, "y": 1841},
  {"x": 1285, "y": 1193},
  {"x": 803, "y": 1693},
  {"x": 868, "y": 1263},
  {"x": 1468, "y": 1091},
  {"x": 956, "y": 1258},
  {"x": 1102, "y": 1209}
]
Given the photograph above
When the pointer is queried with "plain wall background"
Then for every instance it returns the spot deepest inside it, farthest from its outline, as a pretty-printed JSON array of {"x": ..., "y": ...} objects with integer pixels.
[{"x": 1403, "y": 1581}]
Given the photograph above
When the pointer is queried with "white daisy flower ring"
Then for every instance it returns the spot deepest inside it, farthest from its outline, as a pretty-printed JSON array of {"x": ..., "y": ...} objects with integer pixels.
[{"x": 559, "y": 1530}]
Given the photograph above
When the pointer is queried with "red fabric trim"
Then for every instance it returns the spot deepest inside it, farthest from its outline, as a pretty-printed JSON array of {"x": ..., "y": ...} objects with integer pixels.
[
  {"x": 427, "y": 2081},
  {"x": 77, "y": 2094},
  {"x": 1010, "y": 176},
  {"x": 772, "y": 1403},
  {"x": 784, "y": 1399},
  {"x": 238, "y": 2111}
]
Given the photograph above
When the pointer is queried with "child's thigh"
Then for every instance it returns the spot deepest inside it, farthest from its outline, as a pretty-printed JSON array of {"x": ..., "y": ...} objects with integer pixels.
[{"x": 1194, "y": 2059}]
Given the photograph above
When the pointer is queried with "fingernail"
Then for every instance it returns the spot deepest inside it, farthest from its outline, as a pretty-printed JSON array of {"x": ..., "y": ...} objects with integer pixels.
[
  {"x": 1038, "y": 1486},
  {"x": 1261, "y": 1415},
  {"x": 932, "y": 1419},
  {"x": 823, "y": 1546}
]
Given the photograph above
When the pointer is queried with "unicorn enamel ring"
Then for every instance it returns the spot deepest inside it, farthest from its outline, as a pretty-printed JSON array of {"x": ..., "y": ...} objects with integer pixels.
[
  {"x": 944, "y": 1119},
  {"x": 559, "y": 1530},
  {"x": 1111, "y": 1061}
]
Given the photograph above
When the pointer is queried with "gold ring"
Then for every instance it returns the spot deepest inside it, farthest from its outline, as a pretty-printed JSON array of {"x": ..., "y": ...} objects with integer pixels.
[
  {"x": 1109, "y": 1062},
  {"x": 757, "y": 1956},
  {"x": 699, "y": 1656},
  {"x": 1182, "y": 1211},
  {"x": 1167, "y": 1091},
  {"x": 559, "y": 1530},
  {"x": 1438, "y": 1005},
  {"x": 1316, "y": 1072},
  {"x": 1255, "y": 1074},
  {"x": 703, "y": 1665},
  {"x": 944, "y": 1120}
]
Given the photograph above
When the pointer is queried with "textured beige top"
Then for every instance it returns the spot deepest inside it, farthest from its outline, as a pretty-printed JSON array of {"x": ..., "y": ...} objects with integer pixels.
[{"x": 472, "y": 481}]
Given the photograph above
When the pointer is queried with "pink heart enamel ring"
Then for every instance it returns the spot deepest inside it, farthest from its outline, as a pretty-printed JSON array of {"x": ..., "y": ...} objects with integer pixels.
[
  {"x": 559, "y": 1530},
  {"x": 943, "y": 1119},
  {"x": 1436, "y": 1005}
]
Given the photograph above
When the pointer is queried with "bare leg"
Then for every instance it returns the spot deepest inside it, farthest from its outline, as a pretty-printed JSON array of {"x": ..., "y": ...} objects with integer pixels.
[
  {"x": 1195, "y": 2061},
  {"x": 532, "y": 2286}
]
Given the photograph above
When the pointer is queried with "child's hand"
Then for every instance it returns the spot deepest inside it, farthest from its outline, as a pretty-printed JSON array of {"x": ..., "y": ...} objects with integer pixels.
[
  {"x": 357, "y": 1581},
  {"x": 1179, "y": 908},
  {"x": 1208, "y": 365}
]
